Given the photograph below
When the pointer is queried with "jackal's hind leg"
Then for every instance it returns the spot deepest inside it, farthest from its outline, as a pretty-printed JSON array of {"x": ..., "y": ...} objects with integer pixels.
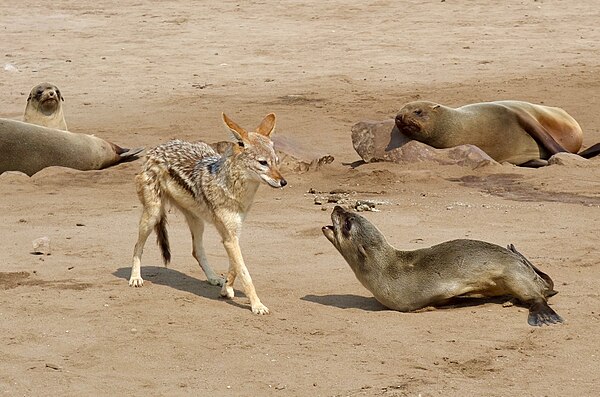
[
  {"x": 197, "y": 229},
  {"x": 151, "y": 215}
]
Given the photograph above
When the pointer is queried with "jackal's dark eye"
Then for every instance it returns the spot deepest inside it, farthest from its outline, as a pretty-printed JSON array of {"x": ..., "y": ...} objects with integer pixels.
[{"x": 263, "y": 162}]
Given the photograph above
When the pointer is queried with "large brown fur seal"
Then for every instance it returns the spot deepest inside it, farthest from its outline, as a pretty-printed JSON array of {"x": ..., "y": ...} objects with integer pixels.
[
  {"x": 411, "y": 280},
  {"x": 44, "y": 107},
  {"x": 29, "y": 148},
  {"x": 517, "y": 132}
]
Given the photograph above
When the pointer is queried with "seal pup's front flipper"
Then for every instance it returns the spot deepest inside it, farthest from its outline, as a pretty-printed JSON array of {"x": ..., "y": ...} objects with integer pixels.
[{"x": 536, "y": 163}]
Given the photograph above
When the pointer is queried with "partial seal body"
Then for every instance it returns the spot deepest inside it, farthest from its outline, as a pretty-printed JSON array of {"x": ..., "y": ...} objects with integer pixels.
[
  {"x": 512, "y": 131},
  {"x": 28, "y": 148},
  {"x": 411, "y": 280},
  {"x": 44, "y": 107}
]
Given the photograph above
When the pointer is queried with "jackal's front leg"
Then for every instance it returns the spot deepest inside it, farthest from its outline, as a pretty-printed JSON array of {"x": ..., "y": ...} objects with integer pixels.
[{"x": 237, "y": 267}]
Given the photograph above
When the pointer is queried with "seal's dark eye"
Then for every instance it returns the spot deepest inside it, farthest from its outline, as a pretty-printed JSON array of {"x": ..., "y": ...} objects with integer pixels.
[
  {"x": 263, "y": 163},
  {"x": 347, "y": 225},
  {"x": 418, "y": 112}
]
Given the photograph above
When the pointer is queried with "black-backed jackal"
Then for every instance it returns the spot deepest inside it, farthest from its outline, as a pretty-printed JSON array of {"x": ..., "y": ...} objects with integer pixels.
[{"x": 207, "y": 187}]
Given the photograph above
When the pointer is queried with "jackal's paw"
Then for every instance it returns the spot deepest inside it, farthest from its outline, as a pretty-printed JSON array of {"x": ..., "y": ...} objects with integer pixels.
[
  {"x": 216, "y": 281},
  {"x": 260, "y": 309},
  {"x": 136, "y": 281},
  {"x": 227, "y": 292}
]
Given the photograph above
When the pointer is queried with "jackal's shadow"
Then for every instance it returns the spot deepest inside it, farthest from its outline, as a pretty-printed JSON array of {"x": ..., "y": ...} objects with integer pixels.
[{"x": 175, "y": 279}]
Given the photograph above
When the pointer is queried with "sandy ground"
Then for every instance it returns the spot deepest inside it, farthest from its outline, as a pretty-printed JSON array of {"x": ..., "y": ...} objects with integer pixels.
[{"x": 143, "y": 72}]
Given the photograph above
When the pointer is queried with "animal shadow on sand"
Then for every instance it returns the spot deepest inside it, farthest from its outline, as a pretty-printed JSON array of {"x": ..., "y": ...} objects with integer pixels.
[
  {"x": 175, "y": 279},
  {"x": 349, "y": 301}
]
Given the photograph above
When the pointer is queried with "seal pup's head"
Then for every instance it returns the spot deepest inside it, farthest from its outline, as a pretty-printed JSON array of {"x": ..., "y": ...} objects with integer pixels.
[
  {"x": 357, "y": 239},
  {"x": 45, "y": 98},
  {"x": 412, "y": 120}
]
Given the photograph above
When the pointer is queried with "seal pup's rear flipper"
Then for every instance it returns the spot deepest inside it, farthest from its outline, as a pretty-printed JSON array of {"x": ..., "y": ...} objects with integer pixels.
[
  {"x": 540, "y": 313},
  {"x": 538, "y": 132},
  {"x": 127, "y": 153},
  {"x": 548, "y": 292},
  {"x": 590, "y": 152}
]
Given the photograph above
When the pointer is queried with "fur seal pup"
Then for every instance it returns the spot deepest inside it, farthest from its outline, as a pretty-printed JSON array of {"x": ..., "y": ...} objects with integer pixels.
[
  {"x": 520, "y": 133},
  {"x": 29, "y": 148},
  {"x": 411, "y": 280},
  {"x": 44, "y": 107}
]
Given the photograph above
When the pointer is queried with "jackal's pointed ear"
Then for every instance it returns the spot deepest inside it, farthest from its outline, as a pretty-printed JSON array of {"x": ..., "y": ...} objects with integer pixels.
[
  {"x": 238, "y": 132},
  {"x": 267, "y": 126}
]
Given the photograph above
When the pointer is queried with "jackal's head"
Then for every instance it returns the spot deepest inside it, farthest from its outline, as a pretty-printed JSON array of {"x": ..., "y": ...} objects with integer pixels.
[{"x": 255, "y": 150}]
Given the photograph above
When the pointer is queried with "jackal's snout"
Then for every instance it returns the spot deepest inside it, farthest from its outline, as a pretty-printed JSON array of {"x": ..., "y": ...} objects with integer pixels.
[{"x": 273, "y": 178}]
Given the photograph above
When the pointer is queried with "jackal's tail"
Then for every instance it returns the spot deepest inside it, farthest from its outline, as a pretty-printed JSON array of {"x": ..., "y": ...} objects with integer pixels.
[{"x": 162, "y": 238}]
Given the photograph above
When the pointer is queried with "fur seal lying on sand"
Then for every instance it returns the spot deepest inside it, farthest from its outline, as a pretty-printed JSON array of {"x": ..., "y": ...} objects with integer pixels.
[
  {"x": 411, "y": 280},
  {"x": 29, "y": 148},
  {"x": 521, "y": 133},
  {"x": 44, "y": 107}
]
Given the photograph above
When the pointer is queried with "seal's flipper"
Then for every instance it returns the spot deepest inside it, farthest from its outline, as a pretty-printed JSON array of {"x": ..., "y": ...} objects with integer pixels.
[
  {"x": 538, "y": 132},
  {"x": 128, "y": 153},
  {"x": 540, "y": 273},
  {"x": 540, "y": 313},
  {"x": 537, "y": 163},
  {"x": 590, "y": 152}
]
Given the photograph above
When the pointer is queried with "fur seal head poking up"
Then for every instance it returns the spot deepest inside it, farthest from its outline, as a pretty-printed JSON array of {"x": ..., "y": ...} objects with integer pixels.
[
  {"x": 44, "y": 107},
  {"x": 411, "y": 280}
]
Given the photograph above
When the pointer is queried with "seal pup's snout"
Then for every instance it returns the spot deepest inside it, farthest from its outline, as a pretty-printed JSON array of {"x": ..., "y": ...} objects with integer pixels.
[
  {"x": 328, "y": 232},
  {"x": 49, "y": 98},
  {"x": 400, "y": 118},
  {"x": 336, "y": 217}
]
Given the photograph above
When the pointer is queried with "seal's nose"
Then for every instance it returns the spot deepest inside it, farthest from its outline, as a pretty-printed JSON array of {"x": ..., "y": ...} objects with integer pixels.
[{"x": 399, "y": 118}]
